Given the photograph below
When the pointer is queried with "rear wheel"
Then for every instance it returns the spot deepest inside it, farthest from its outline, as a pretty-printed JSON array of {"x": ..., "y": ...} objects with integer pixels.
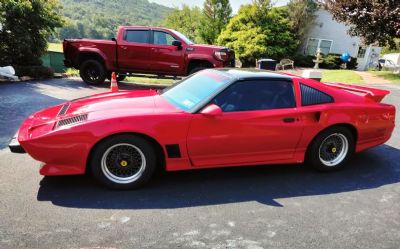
[
  {"x": 331, "y": 149},
  {"x": 123, "y": 162},
  {"x": 92, "y": 72}
]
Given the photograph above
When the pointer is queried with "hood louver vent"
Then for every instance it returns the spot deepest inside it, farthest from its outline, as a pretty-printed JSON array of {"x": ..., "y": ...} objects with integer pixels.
[
  {"x": 72, "y": 120},
  {"x": 63, "y": 110}
]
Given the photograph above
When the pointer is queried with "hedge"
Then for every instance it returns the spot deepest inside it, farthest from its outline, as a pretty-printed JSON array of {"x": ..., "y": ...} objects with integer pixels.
[{"x": 330, "y": 61}]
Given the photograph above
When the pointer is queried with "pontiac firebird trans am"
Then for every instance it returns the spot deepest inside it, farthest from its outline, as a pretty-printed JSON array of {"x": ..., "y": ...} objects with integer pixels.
[{"x": 215, "y": 118}]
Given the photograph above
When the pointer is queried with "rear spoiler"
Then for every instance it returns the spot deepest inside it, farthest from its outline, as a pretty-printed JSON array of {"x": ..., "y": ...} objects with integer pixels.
[{"x": 373, "y": 94}]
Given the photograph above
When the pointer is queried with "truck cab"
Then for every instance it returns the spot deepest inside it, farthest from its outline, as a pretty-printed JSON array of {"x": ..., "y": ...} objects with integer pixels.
[{"x": 142, "y": 49}]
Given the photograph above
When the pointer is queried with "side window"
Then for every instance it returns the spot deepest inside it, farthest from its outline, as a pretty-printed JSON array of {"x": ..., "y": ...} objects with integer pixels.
[
  {"x": 162, "y": 38},
  {"x": 138, "y": 36},
  {"x": 256, "y": 95},
  {"x": 312, "y": 96}
]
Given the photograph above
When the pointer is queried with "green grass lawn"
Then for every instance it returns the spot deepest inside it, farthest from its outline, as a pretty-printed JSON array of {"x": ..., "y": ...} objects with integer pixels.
[
  {"x": 342, "y": 76},
  {"x": 387, "y": 75},
  {"x": 56, "y": 47},
  {"x": 144, "y": 80}
]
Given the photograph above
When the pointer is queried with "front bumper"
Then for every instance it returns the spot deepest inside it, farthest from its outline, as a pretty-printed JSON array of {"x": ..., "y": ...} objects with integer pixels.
[{"x": 14, "y": 145}]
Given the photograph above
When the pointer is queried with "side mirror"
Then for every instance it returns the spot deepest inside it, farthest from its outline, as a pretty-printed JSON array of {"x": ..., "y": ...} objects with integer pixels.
[
  {"x": 113, "y": 39},
  {"x": 211, "y": 111},
  {"x": 177, "y": 43}
]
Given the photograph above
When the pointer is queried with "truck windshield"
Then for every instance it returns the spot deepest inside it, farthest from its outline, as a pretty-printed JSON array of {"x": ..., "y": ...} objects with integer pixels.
[
  {"x": 183, "y": 37},
  {"x": 194, "y": 90}
]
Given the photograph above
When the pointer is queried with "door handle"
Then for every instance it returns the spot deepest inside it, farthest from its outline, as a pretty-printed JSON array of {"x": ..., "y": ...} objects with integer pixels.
[
  {"x": 123, "y": 47},
  {"x": 289, "y": 120}
]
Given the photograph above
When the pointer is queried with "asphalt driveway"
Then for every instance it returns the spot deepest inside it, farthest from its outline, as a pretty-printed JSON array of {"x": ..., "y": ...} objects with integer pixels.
[{"x": 287, "y": 206}]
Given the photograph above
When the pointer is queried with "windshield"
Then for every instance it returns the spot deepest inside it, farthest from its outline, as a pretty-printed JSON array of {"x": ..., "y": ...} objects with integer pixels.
[
  {"x": 196, "y": 89},
  {"x": 183, "y": 37}
]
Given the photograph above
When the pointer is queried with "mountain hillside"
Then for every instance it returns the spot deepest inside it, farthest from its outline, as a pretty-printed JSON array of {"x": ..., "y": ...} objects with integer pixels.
[{"x": 98, "y": 19}]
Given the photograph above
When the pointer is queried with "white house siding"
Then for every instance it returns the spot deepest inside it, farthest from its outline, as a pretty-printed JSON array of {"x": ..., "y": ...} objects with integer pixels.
[{"x": 326, "y": 28}]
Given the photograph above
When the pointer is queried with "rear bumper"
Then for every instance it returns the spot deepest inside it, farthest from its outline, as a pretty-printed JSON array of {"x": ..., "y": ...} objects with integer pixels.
[{"x": 14, "y": 145}]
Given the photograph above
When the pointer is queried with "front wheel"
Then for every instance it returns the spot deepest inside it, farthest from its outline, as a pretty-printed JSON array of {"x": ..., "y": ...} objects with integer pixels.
[
  {"x": 331, "y": 149},
  {"x": 123, "y": 162}
]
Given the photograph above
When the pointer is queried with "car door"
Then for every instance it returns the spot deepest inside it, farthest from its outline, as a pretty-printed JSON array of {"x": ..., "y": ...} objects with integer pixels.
[
  {"x": 259, "y": 123},
  {"x": 134, "y": 50},
  {"x": 166, "y": 58}
]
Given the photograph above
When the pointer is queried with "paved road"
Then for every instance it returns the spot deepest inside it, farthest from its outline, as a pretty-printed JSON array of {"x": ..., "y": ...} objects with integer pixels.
[{"x": 286, "y": 206}]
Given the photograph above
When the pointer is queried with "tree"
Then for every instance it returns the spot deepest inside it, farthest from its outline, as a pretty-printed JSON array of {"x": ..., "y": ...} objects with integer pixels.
[
  {"x": 392, "y": 49},
  {"x": 187, "y": 21},
  {"x": 376, "y": 21},
  {"x": 25, "y": 26},
  {"x": 301, "y": 15},
  {"x": 258, "y": 31},
  {"x": 216, "y": 15}
]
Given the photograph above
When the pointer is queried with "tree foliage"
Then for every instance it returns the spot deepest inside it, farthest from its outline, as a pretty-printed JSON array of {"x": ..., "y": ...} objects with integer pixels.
[
  {"x": 302, "y": 16},
  {"x": 187, "y": 21},
  {"x": 26, "y": 24},
  {"x": 259, "y": 31},
  {"x": 99, "y": 19},
  {"x": 216, "y": 15},
  {"x": 376, "y": 21},
  {"x": 395, "y": 48}
]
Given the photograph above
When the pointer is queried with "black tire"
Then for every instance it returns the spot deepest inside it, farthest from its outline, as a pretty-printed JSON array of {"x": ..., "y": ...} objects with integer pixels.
[
  {"x": 336, "y": 155},
  {"x": 92, "y": 72},
  {"x": 196, "y": 69},
  {"x": 120, "y": 77},
  {"x": 115, "y": 161}
]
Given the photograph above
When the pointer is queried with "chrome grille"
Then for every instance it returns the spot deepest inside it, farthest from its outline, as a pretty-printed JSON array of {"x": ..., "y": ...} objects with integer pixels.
[
  {"x": 63, "y": 110},
  {"x": 72, "y": 120}
]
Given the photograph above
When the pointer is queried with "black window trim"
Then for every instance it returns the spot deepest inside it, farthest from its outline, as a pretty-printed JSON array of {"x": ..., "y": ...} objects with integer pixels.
[
  {"x": 140, "y": 29},
  {"x": 301, "y": 97},
  {"x": 207, "y": 102}
]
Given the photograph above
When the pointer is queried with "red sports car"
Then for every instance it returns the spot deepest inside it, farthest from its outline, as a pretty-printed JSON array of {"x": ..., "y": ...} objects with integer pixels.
[{"x": 215, "y": 118}]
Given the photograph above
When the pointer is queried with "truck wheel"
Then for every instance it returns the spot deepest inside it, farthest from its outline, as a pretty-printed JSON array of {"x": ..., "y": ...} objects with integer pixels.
[
  {"x": 92, "y": 72},
  {"x": 196, "y": 69}
]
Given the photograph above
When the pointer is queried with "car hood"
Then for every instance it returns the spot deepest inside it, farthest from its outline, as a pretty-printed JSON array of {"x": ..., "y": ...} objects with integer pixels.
[
  {"x": 121, "y": 103},
  {"x": 107, "y": 105},
  {"x": 96, "y": 107},
  {"x": 210, "y": 47}
]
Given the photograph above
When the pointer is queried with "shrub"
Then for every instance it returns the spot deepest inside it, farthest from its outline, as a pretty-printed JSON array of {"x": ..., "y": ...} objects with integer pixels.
[
  {"x": 40, "y": 72},
  {"x": 301, "y": 60},
  {"x": 330, "y": 61}
]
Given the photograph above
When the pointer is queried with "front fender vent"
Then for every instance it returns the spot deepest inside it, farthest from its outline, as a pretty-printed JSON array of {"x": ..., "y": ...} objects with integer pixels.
[{"x": 72, "y": 120}]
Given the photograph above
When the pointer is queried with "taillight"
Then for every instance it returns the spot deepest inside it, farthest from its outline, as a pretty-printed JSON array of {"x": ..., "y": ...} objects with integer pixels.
[{"x": 221, "y": 55}]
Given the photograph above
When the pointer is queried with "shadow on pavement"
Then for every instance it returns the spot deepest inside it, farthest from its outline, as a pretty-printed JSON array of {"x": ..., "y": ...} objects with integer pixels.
[{"x": 264, "y": 184}]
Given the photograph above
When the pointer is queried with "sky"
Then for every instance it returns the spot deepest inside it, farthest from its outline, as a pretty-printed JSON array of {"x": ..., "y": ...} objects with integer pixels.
[{"x": 235, "y": 3}]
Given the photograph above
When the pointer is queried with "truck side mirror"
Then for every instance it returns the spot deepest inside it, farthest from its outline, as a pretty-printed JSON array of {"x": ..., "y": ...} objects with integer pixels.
[
  {"x": 177, "y": 43},
  {"x": 113, "y": 39}
]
